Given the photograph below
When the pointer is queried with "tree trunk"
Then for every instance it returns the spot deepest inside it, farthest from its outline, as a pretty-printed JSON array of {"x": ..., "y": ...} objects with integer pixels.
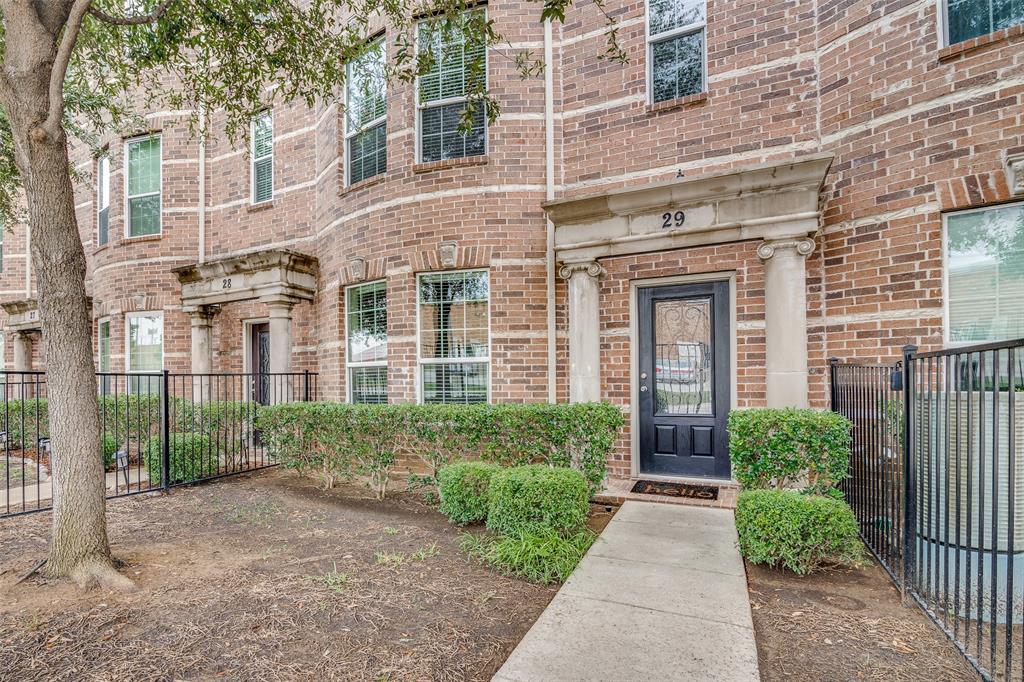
[{"x": 79, "y": 547}]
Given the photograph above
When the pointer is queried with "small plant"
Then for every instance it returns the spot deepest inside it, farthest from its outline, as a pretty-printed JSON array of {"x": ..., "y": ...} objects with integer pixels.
[
  {"x": 532, "y": 497},
  {"x": 392, "y": 559},
  {"x": 192, "y": 457},
  {"x": 109, "y": 447},
  {"x": 334, "y": 581},
  {"x": 391, "y": 530},
  {"x": 464, "y": 490},
  {"x": 542, "y": 555},
  {"x": 775, "y": 448},
  {"x": 797, "y": 531},
  {"x": 425, "y": 553}
]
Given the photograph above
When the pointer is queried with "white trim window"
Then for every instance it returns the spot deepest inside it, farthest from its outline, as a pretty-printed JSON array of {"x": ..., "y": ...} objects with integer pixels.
[
  {"x": 455, "y": 69},
  {"x": 366, "y": 130},
  {"x": 261, "y": 153},
  {"x": 103, "y": 199},
  {"x": 103, "y": 353},
  {"x": 144, "y": 350},
  {"x": 366, "y": 356},
  {"x": 965, "y": 19},
  {"x": 143, "y": 201},
  {"x": 984, "y": 272},
  {"x": 676, "y": 48},
  {"x": 453, "y": 321}
]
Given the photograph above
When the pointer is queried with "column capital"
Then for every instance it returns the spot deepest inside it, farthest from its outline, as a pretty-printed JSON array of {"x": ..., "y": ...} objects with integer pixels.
[
  {"x": 591, "y": 268},
  {"x": 201, "y": 314},
  {"x": 803, "y": 246},
  {"x": 279, "y": 306}
]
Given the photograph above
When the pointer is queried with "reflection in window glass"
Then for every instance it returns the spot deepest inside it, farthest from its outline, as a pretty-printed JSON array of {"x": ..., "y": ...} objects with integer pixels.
[
  {"x": 143, "y": 187},
  {"x": 145, "y": 350},
  {"x": 985, "y": 271},
  {"x": 366, "y": 114},
  {"x": 676, "y": 48},
  {"x": 966, "y": 19},
  {"x": 454, "y": 346},
  {"x": 683, "y": 370},
  {"x": 367, "y": 327}
]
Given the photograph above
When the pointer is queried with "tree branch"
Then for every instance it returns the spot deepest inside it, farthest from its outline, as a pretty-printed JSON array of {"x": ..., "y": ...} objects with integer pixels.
[
  {"x": 135, "y": 20},
  {"x": 60, "y": 66}
]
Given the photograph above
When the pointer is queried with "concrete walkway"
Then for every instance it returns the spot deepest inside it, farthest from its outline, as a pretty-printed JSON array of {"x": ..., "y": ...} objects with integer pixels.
[{"x": 662, "y": 595}]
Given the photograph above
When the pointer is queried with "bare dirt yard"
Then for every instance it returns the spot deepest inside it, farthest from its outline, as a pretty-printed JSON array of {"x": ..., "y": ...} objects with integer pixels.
[
  {"x": 265, "y": 577},
  {"x": 846, "y": 624}
]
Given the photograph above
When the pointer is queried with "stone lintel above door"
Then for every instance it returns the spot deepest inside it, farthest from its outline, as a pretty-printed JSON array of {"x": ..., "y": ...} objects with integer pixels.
[
  {"x": 272, "y": 275},
  {"x": 769, "y": 201}
]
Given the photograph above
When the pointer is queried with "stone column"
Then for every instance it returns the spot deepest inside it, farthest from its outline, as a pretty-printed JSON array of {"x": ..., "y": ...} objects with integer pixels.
[
  {"x": 280, "y": 313},
  {"x": 785, "y": 318},
  {"x": 584, "y": 330},
  {"x": 201, "y": 318},
  {"x": 23, "y": 351}
]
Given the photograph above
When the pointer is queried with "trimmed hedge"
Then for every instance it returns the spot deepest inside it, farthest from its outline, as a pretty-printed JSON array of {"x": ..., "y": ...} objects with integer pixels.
[
  {"x": 798, "y": 531},
  {"x": 192, "y": 457},
  {"x": 526, "y": 498},
  {"x": 775, "y": 448},
  {"x": 322, "y": 438},
  {"x": 108, "y": 446},
  {"x": 464, "y": 489}
]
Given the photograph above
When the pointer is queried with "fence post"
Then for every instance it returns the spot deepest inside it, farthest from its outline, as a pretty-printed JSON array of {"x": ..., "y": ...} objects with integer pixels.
[
  {"x": 305, "y": 390},
  {"x": 909, "y": 479},
  {"x": 165, "y": 434},
  {"x": 832, "y": 364}
]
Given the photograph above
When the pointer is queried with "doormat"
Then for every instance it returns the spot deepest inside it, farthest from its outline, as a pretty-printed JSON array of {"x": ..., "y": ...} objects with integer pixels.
[{"x": 698, "y": 492}]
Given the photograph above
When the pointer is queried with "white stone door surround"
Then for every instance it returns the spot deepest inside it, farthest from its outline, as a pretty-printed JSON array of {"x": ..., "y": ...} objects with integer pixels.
[{"x": 775, "y": 203}]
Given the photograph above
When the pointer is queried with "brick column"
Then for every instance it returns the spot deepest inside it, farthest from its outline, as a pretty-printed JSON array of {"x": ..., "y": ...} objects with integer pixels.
[
  {"x": 584, "y": 330},
  {"x": 785, "y": 320}
]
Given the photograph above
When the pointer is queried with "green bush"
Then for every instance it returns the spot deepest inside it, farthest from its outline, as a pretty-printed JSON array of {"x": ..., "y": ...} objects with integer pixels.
[
  {"x": 192, "y": 457},
  {"x": 536, "y": 496},
  {"x": 797, "y": 531},
  {"x": 780, "y": 447},
  {"x": 310, "y": 436},
  {"x": 464, "y": 490},
  {"x": 542, "y": 555},
  {"x": 109, "y": 446}
]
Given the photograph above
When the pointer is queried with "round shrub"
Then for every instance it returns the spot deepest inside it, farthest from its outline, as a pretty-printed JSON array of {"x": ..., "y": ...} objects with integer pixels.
[
  {"x": 192, "y": 457},
  {"x": 463, "y": 487},
  {"x": 536, "y": 496},
  {"x": 109, "y": 446},
  {"x": 797, "y": 531}
]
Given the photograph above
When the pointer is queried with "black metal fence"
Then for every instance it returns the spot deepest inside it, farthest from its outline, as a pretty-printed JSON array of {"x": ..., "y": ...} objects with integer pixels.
[
  {"x": 938, "y": 491},
  {"x": 156, "y": 430}
]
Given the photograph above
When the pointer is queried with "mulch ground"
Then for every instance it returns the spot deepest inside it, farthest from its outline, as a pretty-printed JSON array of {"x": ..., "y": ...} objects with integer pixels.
[
  {"x": 265, "y": 577},
  {"x": 846, "y": 624}
]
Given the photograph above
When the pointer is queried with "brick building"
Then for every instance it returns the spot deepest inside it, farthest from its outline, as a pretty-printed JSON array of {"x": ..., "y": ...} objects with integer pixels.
[{"x": 764, "y": 185}]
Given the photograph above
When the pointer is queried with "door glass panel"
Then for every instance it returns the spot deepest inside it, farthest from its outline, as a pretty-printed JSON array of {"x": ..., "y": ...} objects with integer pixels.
[{"x": 683, "y": 370}]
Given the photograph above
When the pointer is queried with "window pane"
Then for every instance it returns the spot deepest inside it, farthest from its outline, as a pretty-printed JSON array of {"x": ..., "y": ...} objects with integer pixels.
[
  {"x": 144, "y": 215},
  {"x": 366, "y": 87},
  {"x": 367, "y": 153},
  {"x": 144, "y": 166},
  {"x": 103, "y": 182},
  {"x": 262, "y": 135},
  {"x": 461, "y": 383},
  {"x": 666, "y": 15},
  {"x": 453, "y": 315},
  {"x": 263, "y": 182},
  {"x": 441, "y": 138},
  {"x": 456, "y": 67},
  {"x": 985, "y": 251},
  {"x": 367, "y": 310},
  {"x": 145, "y": 343},
  {"x": 678, "y": 66},
  {"x": 369, "y": 385},
  {"x": 968, "y": 19},
  {"x": 103, "y": 226},
  {"x": 104, "y": 346}
]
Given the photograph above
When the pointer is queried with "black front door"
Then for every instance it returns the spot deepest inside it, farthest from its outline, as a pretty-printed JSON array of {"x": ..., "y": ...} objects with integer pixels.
[
  {"x": 259, "y": 360},
  {"x": 683, "y": 380}
]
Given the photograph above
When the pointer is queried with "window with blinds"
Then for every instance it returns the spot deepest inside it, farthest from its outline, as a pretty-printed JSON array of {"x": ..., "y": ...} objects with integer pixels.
[
  {"x": 102, "y": 200},
  {"x": 675, "y": 54},
  {"x": 454, "y": 337},
  {"x": 142, "y": 186},
  {"x": 455, "y": 68},
  {"x": 366, "y": 315},
  {"x": 262, "y": 155},
  {"x": 985, "y": 274},
  {"x": 366, "y": 134},
  {"x": 966, "y": 19}
]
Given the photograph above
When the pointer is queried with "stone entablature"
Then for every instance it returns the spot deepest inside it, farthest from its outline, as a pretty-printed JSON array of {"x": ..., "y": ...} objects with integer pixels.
[
  {"x": 769, "y": 201},
  {"x": 273, "y": 275},
  {"x": 22, "y": 315}
]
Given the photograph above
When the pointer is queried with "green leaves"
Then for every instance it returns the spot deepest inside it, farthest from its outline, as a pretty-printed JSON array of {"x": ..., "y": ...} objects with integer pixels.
[
  {"x": 532, "y": 497},
  {"x": 465, "y": 491},
  {"x": 795, "y": 531},
  {"x": 779, "y": 447}
]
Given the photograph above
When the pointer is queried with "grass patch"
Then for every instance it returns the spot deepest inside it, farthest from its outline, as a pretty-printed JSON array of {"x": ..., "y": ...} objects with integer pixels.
[
  {"x": 425, "y": 553},
  {"x": 541, "y": 555},
  {"x": 391, "y": 530},
  {"x": 392, "y": 559},
  {"x": 258, "y": 514},
  {"x": 334, "y": 581}
]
